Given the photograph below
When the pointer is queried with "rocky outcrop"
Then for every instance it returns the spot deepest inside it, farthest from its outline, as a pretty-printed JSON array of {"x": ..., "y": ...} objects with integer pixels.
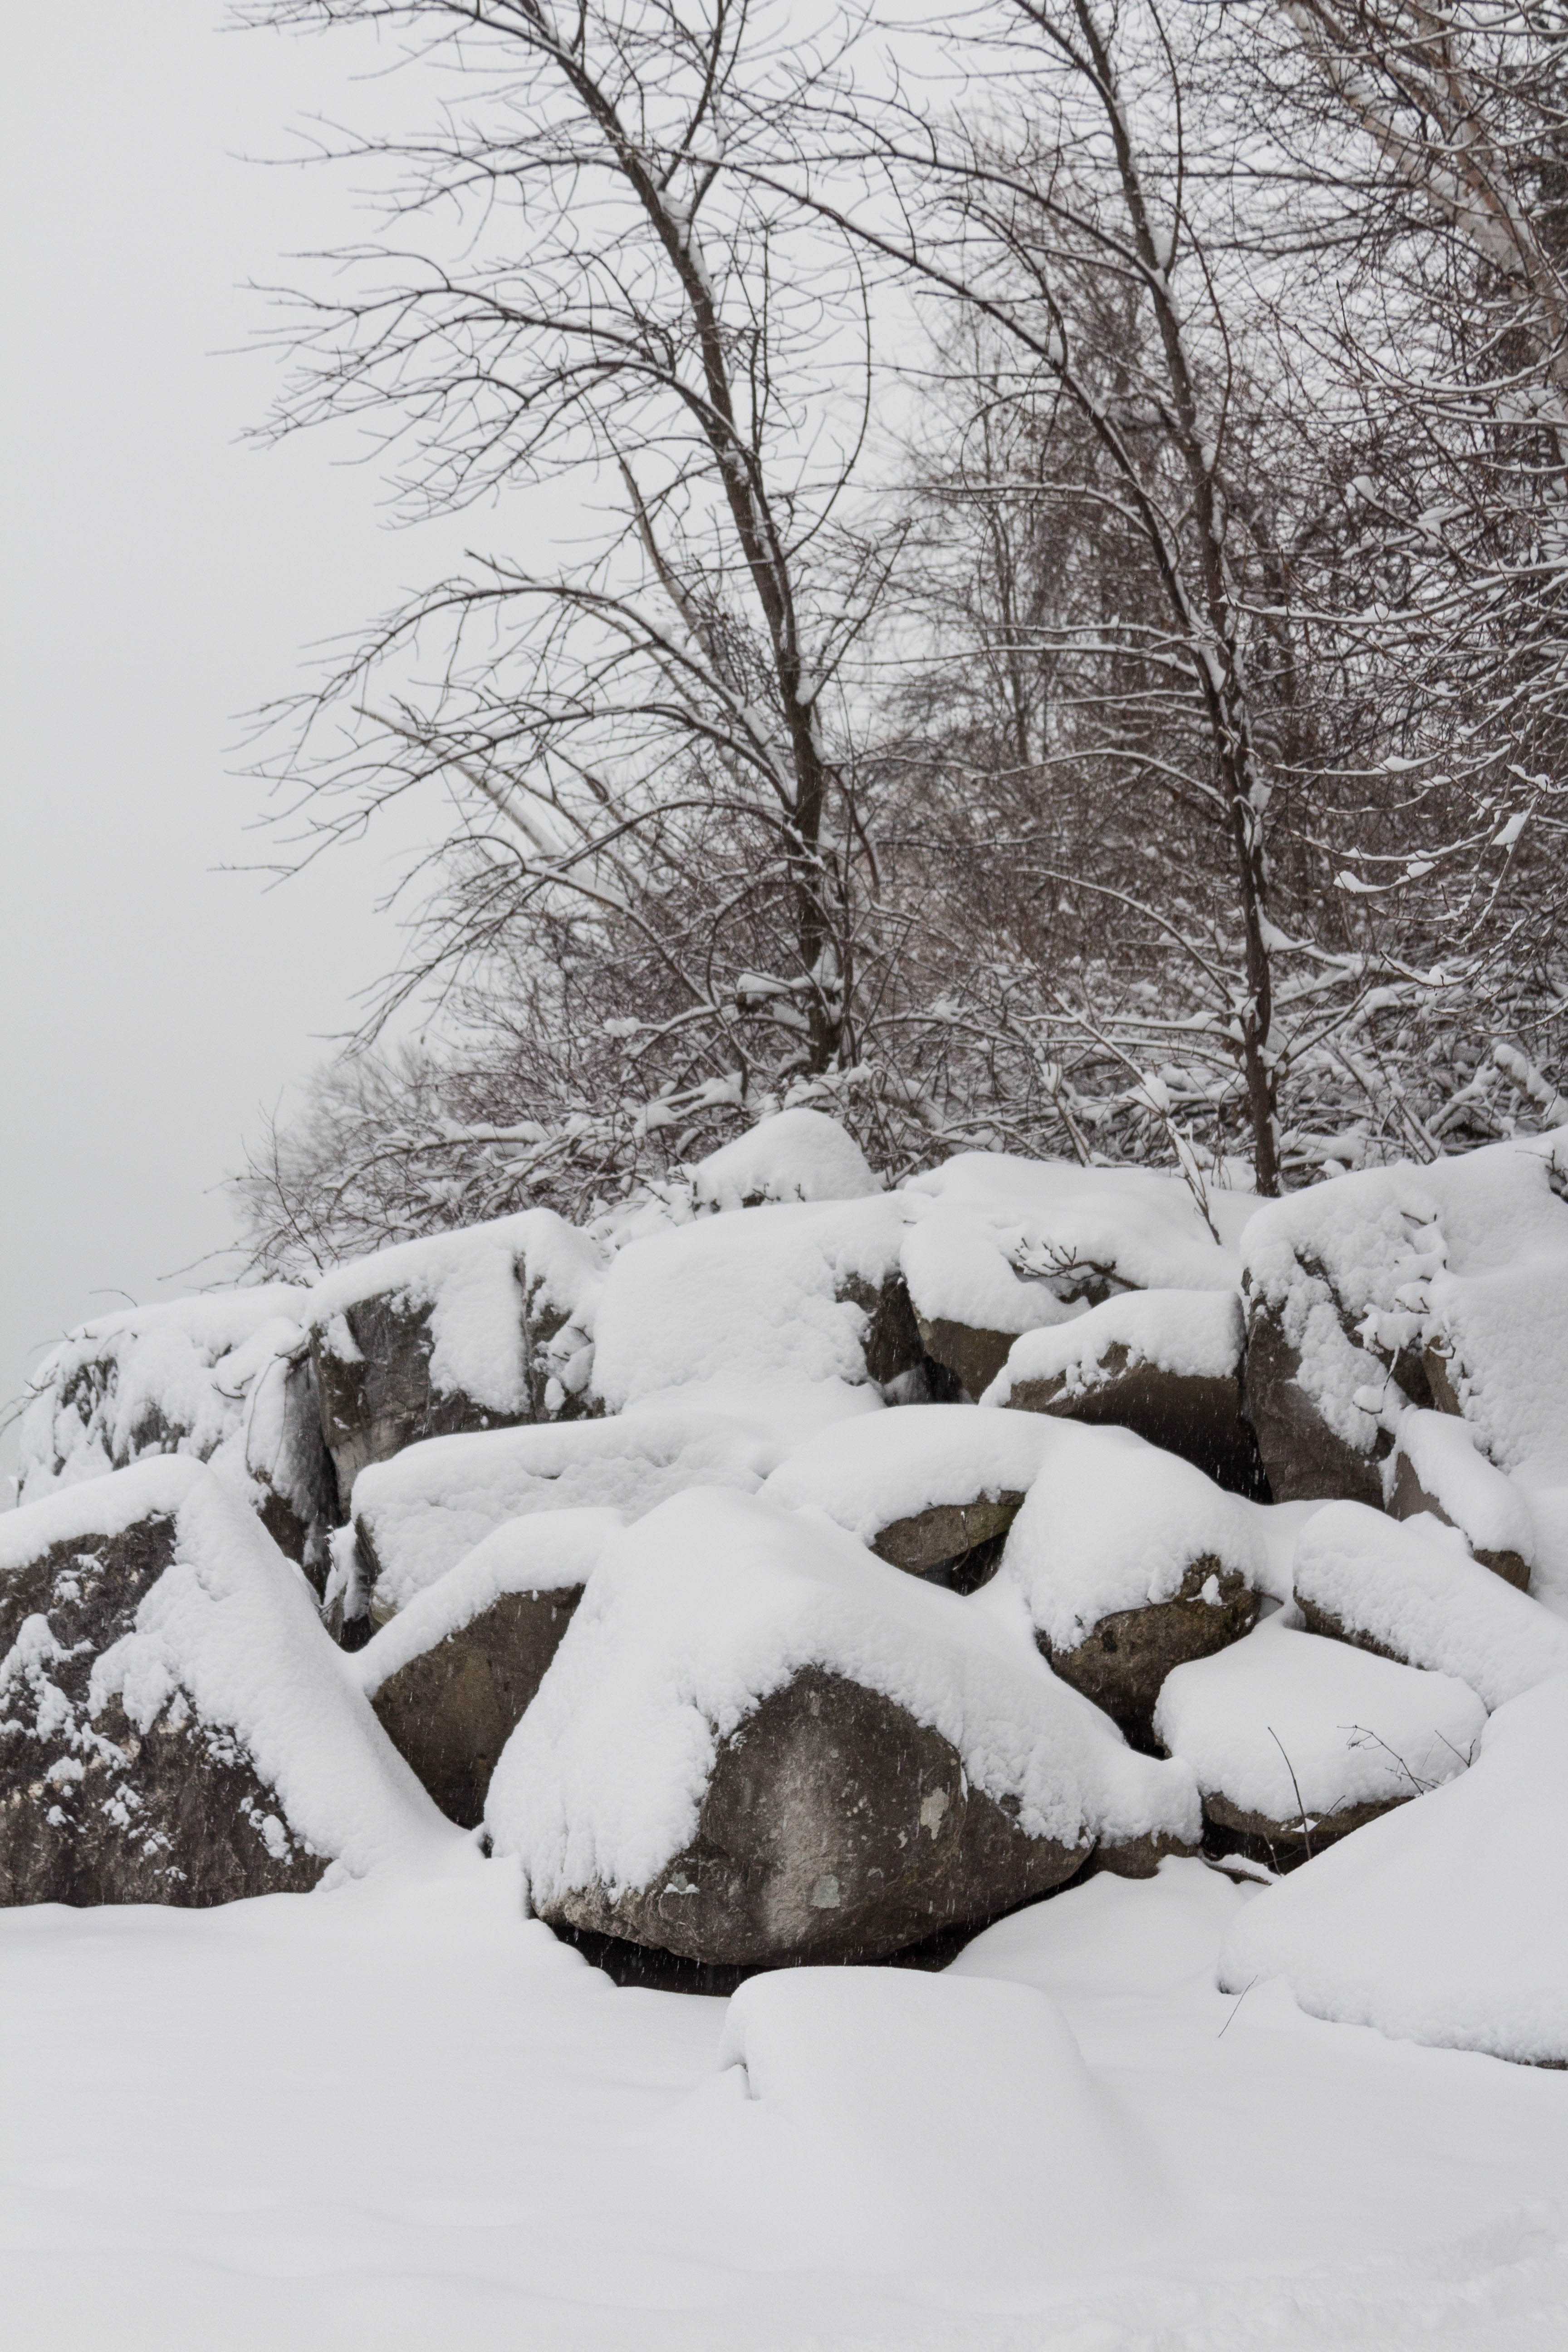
[
  {"x": 1122, "y": 1660},
  {"x": 449, "y": 1678},
  {"x": 1305, "y": 1459},
  {"x": 95, "y": 1808},
  {"x": 1438, "y": 1468},
  {"x": 833, "y": 1827},
  {"x": 480, "y": 1330},
  {"x": 1164, "y": 1363}
]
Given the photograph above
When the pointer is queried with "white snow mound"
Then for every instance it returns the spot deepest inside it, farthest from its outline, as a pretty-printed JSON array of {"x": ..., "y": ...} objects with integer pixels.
[
  {"x": 795, "y": 1155},
  {"x": 867, "y": 1473},
  {"x": 1491, "y": 1512},
  {"x": 1412, "y": 1586},
  {"x": 754, "y": 1297},
  {"x": 1446, "y": 1922},
  {"x": 700, "y": 1610},
  {"x": 1112, "y": 1523},
  {"x": 1134, "y": 1227},
  {"x": 1284, "y": 1723},
  {"x": 422, "y": 1512}
]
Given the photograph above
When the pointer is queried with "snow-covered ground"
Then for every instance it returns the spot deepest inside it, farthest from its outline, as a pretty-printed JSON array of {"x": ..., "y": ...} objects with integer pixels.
[{"x": 401, "y": 2114}]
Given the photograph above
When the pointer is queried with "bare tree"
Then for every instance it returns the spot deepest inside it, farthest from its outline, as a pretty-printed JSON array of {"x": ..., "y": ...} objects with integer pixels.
[{"x": 654, "y": 751}]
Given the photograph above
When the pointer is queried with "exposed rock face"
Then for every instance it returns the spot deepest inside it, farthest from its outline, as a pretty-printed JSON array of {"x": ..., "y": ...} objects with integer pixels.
[
  {"x": 973, "y": 1356},
  {"x": 948, "y": 1536},
  {"x": 1199, "y": 1417},
  {"x": 835, "y": 1828},
  {"x": 373, "y": 1372},
  {"x": 1305, "y": 1460},
  {"x": 1439, "y": 1468},
  {"x": 450, "y": 1710},
  {"x": 1284, "y": 1846},
  {"x": 96, "y": 1810},
  {"x": 1122, "y": 1660},
  {"x": 1409, "y": 1496}
]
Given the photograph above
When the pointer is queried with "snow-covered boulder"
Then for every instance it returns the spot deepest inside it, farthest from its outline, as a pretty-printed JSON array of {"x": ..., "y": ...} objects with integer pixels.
[
  {"x": 1166, "y": 1363},
  {"x": 450, "y": 1676},
  {"x": 477, "y": 1329},
  {"x": 758, "y": 1743},
  {"x": 176, "y": 1725},
  {"x": 1436, "y": 1466},
  {"x": 809, "y": 1292},
  {"x": 418, "y": 1515},
  {"x": 795, "y": 1155},
  {"x": 223, "y": 1377},
  {"x": 1443, "y": 1285},
  {"x": 1411, "y": 1591},
  {"x": 927, "y": 1488},
  {"x": 1447, "y": 1922},
  {"x": 1295, "y": 1740},
  {"x": 1128, "y": 1562},
  {"x": 1015, "y": 1246}
]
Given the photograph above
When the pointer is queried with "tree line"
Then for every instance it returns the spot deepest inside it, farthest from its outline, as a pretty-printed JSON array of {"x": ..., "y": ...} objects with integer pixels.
[{"x": 1064, "y": 647}]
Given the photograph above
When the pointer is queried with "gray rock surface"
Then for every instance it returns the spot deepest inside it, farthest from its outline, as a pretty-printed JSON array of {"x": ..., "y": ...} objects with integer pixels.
[
  {"x": 1122, "y": 1660},
  {"x": 93, "y": 1809},
  {"x": 1304, "y": 1459},
  {"x": 833, "y": 1828}
]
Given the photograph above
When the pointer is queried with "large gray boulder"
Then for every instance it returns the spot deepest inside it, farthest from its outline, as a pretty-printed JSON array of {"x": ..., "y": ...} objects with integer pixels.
[
  {"x": 757, "y": 1744},
  {"x": 175, "y": 1725},
  {"x": 1129, "y": 1562},
  {"x": 478, "y": 1329},
  {"x": 451, "y": 1676},
  {"x": 1164, "y": 1363}
]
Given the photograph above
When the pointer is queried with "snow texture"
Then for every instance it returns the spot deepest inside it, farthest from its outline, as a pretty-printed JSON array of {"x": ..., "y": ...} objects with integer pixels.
[
  {"x": 151, "y": 1379},
  {"x": 1492, "y": 1512},
  {"x": 906, "y": 2083},
  {"x": 867, "y": 1473},
  {"x": 232, "y": 1626},
  {"x": 539, "y": 1553},
  {"x": 754, "y": 1297},
  {"x": 715, "y": 1600},
  {"x": 1195, "y": 1335},
  {"x": 1133, "y": 1227},
  {"x": 960, "y": 1268},
  {"x": 1285, "y": 1722},
  {"x": 1411, "y": 1586},
  {"x": 427, "y": 1508},
  {"x": 468, "y": 1284},
  {"x": 1467, "y": 1257},
  {"x": 795, "y": 1155},
  {"x": 1113, "y": 1523},
  {"x": 1446, "y": 1921}
]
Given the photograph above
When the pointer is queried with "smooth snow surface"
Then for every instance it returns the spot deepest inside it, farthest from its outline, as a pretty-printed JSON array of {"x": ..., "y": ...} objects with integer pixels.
[
  {"x": 1196, "y": 1335},
  {"x": 1412, "y": 1586},
  {"x": 1285, "y": 1721},
  {"x": 1113, "y": 1523},
  {"x": 1138, "y": 1228},
  {"x": 701, "y": 1610},
  {"x": 401, "y": 2115},
  {"x": 1446, "y": 1922},
  {"x": 471, "y": 1285},
  {"x": 795, "y": 1155},
  {"x": 545, "y": 1551},
  {"x": 427, "y": 1509},
  {"x": 867, "y": 1473},
  {"x": 903, "y": 2086},
  {"x": 754, "y": 1297}
]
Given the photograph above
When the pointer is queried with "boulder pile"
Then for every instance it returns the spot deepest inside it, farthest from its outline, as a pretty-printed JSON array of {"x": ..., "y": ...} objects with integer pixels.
[{"x": 790, "y": 1568}]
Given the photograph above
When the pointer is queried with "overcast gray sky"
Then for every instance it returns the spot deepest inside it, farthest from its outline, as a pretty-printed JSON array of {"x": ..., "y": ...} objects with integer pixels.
[{"x": 160, "y": 580}]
